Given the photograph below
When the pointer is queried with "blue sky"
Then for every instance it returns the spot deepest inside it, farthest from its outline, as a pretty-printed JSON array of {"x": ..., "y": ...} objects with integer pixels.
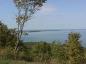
[{"x": 55, "y": 14}]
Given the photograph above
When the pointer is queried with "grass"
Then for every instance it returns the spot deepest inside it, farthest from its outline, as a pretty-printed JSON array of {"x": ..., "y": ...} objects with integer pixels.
[{"x": 17, "y": 62}]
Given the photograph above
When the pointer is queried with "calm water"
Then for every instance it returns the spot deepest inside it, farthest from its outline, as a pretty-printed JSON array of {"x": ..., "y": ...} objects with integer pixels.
[{"x": 49, "y": 36}]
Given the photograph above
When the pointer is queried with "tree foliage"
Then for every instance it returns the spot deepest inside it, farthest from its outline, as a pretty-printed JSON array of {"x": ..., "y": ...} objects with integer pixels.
[
  {"x": 26, "y": 8},
  {"x": 74, "y": 50},
  {"x": 7, "y": 36}
]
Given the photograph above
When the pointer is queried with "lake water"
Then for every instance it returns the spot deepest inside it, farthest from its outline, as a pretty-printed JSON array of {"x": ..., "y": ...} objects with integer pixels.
[{"x": 49, "y": 36}]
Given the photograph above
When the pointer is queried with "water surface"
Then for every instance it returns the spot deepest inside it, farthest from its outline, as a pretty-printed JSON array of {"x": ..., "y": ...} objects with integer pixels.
[{"x": 58, "y": 35}]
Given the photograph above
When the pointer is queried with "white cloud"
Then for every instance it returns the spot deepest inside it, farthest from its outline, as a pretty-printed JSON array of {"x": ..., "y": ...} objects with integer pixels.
[{"x": 48, "y": 9}]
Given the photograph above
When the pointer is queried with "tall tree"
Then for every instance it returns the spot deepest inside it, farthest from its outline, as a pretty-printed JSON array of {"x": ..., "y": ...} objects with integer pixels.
[
  {"x": 74, "y": 49},
  {"x": 26, "y": 8}
]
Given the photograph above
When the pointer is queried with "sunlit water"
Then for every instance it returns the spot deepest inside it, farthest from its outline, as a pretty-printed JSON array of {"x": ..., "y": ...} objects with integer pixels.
[{"x": 49, "y": 36}]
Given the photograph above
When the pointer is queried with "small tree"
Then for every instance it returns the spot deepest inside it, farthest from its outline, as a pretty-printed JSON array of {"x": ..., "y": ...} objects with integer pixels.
[
  {"x": 26, "y": 8},
  {"x": 74, "y": 49}
]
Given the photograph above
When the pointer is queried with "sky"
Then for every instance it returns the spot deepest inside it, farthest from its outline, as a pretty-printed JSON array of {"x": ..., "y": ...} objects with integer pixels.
[{"x": 55, "y": 14}]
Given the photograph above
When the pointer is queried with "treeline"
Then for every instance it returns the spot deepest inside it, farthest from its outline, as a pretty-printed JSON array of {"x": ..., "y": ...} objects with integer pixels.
[{"x": 71, "y": 52}]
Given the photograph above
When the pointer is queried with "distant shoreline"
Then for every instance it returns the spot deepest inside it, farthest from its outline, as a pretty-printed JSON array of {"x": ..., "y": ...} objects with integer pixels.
[{"x": 50, "y": 30}]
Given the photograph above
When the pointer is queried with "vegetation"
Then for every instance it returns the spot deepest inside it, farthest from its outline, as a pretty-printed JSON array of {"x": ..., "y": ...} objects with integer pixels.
[
  {"x": 74, "y": 50},
  {"x": 71, "y": 52},
  {"x": 14, "y": 51}
]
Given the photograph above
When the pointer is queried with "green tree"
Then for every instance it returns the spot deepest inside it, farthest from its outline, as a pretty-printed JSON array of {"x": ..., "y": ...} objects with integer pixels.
[
  {"x": 8, "y": 39},
  {"x": 74, "y": 50},
  {"x": 7, "y": 36},
  {"x": 3, "y": 34}
]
